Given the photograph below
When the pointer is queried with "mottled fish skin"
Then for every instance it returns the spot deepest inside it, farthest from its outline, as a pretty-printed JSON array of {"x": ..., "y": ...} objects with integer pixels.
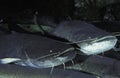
[
  {"x": 14, "y": 71},
  {"x": 17, "y": 45}
]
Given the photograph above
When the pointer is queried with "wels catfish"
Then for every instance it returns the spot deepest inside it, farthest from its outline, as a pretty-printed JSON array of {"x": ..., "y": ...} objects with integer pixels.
[
  {"x": 34, "y": 51},
  {"x": 98, "y": 65},
  {"x": 15, "y": 71},
  {"x": 89, "y": 39}
]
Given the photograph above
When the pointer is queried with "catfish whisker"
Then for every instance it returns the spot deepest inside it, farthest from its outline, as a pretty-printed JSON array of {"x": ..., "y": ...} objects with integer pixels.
[
  {"x": 116, "y": 34},
  {"x": 25, "y": 62},
  {"x": 65, "y": 51},
  {"x": 75, "y": 42},
  {"x": 72, "y": 62},
  {"x": 52, "y": 68},
  {"x": 56, "y": 54},
  {"x": 46, "y": 56},
  {"x": 94, "y": 39},
  {"x": 27, "y": 57},
  {"x": 64, "y": 66}
]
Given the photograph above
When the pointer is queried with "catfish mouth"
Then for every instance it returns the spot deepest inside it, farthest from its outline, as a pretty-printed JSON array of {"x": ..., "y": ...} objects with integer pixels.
[{"x": 99, "y": 45}]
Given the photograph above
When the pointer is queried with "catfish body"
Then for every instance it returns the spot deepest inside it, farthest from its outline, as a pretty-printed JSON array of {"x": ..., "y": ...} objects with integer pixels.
[
  {"x": 31, "y": 47},
  {"x": 76, "y": 30},
  {"x": 98, "y": 65},
  {"x": 89, "y": 39},
  {"x": 15, "y": 71}
]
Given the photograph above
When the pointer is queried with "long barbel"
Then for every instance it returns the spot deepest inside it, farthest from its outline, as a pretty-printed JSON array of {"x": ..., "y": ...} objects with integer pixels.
[
  {"x": 90, "y": 39},
  {"x": 43, "y": 52}
]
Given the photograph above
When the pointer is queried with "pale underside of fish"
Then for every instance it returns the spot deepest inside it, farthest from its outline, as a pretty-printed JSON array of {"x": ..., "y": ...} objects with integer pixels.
[{"x": 89, "y": 39}]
